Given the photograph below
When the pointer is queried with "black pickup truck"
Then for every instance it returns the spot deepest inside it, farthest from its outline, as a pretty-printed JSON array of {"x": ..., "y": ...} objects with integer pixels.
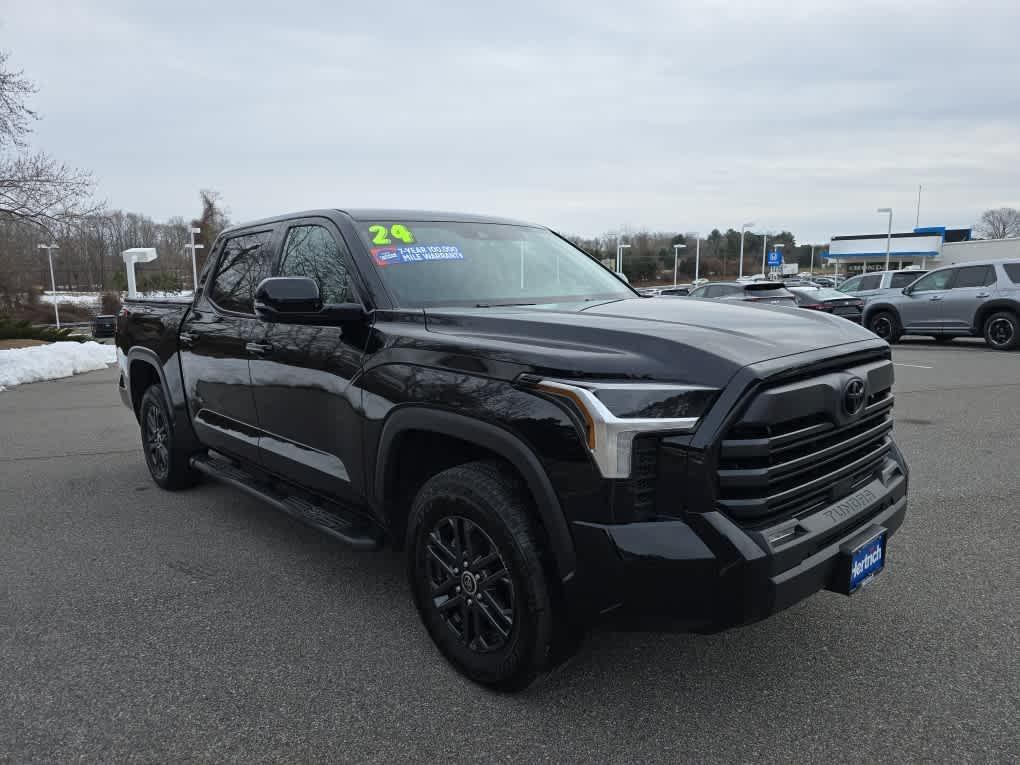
[{"x": 550, "y": 449}]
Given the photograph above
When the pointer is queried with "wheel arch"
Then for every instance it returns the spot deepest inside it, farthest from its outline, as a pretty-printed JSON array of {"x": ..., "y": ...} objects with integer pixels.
[
  {"x": 494, "y": 440},
  {"x": 145, "y": 362},
  {"x": 993, "y": 306}
]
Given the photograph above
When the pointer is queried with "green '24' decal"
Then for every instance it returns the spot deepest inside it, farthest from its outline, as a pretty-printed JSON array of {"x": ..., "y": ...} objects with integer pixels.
[{"x": 381, "y": 235}]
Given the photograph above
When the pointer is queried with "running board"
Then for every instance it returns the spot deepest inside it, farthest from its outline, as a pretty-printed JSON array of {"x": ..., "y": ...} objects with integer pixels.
[{"x": 357, "y": 534}]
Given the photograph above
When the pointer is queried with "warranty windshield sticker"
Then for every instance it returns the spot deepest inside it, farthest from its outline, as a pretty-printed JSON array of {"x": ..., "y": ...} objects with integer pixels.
[{"x": 387, "y": 256}]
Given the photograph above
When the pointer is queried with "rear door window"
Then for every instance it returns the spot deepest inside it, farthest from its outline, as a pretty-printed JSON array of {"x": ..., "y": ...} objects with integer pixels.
[
  {"x": 870, "y": 282},
  {"x": 899, "y": 281},
  {"x": 246, "y": 260},
  {"x": 851, "y": 285},
  {"x": 974, "y": 276}
]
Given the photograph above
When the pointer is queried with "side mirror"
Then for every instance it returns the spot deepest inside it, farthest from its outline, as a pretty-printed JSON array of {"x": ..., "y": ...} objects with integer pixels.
[
  {"x": 907, "y": 290},
  {"x": 296, "y": 300}
]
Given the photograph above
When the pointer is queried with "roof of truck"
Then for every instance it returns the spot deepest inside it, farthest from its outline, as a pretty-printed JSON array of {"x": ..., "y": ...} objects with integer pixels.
[{"x": 387, "y": 214}]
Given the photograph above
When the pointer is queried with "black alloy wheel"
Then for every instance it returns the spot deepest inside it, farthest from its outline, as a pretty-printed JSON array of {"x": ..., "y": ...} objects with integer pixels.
[
  {"x": 470, "y": 586},
  {"x": 168, "y": 463},
  {"x": 1001, "y": 331},
  {"x": 886, "y": 326},
  {"x": 156, "y": 437}
]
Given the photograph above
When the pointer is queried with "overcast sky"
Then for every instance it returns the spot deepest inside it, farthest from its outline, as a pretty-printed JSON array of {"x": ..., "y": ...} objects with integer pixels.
[{"x": 803, "y": 115}]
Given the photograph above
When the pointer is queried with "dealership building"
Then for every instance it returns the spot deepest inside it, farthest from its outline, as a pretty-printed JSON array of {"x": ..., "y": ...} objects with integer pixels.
[{"x": 925, "y": 247}]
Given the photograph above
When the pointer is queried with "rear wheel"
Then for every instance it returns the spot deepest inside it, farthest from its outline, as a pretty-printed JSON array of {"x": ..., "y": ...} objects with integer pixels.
[
  {"x": 886, "y": 325},
  {"x": 477, "y": 570},
  {"x": 168, "y": 464},
  {"x": 1001, "y": 331}
]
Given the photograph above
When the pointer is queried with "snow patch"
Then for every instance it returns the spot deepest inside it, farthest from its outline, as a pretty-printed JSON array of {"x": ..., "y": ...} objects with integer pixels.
[
  {"x": 76, "y": 298},
  {"x": 49, "y": 362}
]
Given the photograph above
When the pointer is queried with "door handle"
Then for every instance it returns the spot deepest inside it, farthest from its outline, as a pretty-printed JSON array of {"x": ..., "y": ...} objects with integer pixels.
[
  {"x": 935, "y": 297},
  {"x": 984, "y": 294},
  {"x": 186, "y": 339},
  {"x": 257, "y": 348}
]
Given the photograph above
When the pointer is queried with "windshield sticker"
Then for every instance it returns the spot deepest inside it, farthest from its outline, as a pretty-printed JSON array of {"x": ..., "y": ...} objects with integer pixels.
[
  {"x": 381, "y": 234},
  {"x": 386, "y": 256}
]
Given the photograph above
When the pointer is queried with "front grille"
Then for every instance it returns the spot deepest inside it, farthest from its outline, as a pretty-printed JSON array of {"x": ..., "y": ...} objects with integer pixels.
[{"x": 794, "y": 450}]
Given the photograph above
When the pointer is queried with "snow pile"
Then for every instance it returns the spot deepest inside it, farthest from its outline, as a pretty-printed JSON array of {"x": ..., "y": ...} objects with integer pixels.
[
  {"x": 169, "y": 296},
  {"x": 48, "y": 362},
  {"x": 78, "y": 298}
]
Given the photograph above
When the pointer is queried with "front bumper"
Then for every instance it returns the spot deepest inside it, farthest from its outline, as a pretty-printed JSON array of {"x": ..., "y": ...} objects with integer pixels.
[{"x": 707, "y": 574}]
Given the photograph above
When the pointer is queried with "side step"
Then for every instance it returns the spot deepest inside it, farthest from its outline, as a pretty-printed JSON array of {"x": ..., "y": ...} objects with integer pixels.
[{"x": 358, "y": 534}]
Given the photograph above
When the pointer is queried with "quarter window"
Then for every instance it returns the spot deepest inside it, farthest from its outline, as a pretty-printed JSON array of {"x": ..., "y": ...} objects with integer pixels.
[
  {"x": 974, "y": 276},
  {"x": 246, "y": 261},
  {"x": 312, "y": 251},
  {"x": 1012, "y": 271}
]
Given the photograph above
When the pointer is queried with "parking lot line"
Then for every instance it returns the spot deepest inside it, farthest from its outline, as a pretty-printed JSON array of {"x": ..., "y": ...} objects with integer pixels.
[{"x": 918, "y": 366}]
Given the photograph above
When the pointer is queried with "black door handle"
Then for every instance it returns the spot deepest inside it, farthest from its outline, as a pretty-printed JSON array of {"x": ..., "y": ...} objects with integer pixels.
[{"x": 257, "y": 348}]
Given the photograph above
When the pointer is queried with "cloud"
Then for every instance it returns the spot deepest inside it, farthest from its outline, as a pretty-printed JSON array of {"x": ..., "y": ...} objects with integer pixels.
[{"x": 800, "y": 115}]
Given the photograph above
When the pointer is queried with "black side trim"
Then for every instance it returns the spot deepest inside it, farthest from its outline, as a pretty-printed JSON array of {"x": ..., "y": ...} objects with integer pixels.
[{"x": 495, "y": 439}]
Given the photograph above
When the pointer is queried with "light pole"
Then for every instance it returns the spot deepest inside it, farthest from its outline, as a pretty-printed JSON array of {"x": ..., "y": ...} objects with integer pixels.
[
  {"x": 676, "y": 252},
  {"x": 764, "y": 251},
  {"x": 697, "y": 257},
  {"x": 917, "y": 220},
  {"x": 811, "y": 269},
  {"x": 619, "y": 256},
  {"x": 743, "y": 229},
  {"x": 888, "y": 238},
  {"x": 56, "y": 298},
  {"x": 194, "y": 268}
]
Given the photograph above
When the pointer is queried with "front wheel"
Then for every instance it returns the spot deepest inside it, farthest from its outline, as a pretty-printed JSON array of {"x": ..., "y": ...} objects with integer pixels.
[
  {"x": 477, "y": 570},
  {"x": 886, "y": 325},
  {"x": 1001, "y": 331}
]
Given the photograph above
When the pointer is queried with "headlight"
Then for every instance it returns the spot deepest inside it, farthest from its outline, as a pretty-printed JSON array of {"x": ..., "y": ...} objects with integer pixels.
[{"x": 614, "y": 413}]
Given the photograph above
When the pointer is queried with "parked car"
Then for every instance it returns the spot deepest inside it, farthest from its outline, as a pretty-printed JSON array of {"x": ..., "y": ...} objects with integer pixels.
[
  {"x": 546, "y": 447},
  {"x": 880, "y": 282},
  {"x": 830, "y": 301},
  {"x": 104, "y": 325},
  {"x": 972, "y": 300},
  {"x": 677, "y": 290},
  {"x": 756, "y": 292}
]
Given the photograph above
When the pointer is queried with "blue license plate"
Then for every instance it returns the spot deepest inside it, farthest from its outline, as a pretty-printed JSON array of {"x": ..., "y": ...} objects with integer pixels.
[{"x": 866, "y": 561}]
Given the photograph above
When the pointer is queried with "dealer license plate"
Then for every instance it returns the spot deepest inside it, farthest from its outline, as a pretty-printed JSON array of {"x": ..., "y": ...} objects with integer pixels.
[{"x": 866, "y": 561}]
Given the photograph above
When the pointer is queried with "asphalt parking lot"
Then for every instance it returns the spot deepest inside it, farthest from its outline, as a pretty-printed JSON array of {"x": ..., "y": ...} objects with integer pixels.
[{"x": 203, "y": 625}]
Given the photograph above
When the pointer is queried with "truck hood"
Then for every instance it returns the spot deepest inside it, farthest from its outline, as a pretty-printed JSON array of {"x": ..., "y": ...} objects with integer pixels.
[{"x": 701, "y": 342}]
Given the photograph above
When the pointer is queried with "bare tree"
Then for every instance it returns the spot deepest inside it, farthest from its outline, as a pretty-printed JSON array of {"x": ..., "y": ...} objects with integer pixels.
[
  {"x": 34, "y": 187},
  {"x": 1001, "y": 223}
]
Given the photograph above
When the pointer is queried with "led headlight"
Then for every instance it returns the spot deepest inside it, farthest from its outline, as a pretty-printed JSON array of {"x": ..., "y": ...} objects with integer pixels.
[{"x": 614, "y": 413}]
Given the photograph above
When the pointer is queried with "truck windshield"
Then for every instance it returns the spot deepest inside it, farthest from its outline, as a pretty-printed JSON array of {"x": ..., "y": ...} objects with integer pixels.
[{"x": 430, "y": 263}]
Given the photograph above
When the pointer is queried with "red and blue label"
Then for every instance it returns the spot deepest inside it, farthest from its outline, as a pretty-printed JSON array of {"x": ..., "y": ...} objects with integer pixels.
[{"x": 421, "y": 253}]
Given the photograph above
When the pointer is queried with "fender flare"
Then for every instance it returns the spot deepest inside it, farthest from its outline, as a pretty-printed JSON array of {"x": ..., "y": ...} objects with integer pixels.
[
  {"x": 494, "y": 439},
  {"x": 871, "y": 310},
  {"x": 993, "y": 306},
  {"x": 174, "y": 393}
]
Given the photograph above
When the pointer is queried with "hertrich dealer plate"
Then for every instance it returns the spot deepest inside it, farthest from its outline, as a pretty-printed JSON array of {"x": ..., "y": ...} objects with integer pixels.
[{"x": 866, "y": 561}]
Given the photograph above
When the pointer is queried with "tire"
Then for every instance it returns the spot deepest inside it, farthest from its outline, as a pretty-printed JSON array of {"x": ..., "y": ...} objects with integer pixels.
[
  {"x": 886, "y": 325},
  {"x": 1002, "y": 331},
  {"x": 168, "y": 464},
  {"x": 504, "y": 638}
]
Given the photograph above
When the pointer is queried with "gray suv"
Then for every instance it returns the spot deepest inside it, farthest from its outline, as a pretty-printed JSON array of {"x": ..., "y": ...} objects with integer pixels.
[
  {"x": 879, "y": 282},
  {"x": 967, "y": 300}
]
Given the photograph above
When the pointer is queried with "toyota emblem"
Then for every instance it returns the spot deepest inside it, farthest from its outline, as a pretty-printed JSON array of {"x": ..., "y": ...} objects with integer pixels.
[{"x": 853, "y": 396}]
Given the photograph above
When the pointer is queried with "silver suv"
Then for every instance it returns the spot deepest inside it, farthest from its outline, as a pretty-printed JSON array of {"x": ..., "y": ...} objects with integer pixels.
[
  {"x": 879, "y": 282},
  {"x": 968, "y": 300}
]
